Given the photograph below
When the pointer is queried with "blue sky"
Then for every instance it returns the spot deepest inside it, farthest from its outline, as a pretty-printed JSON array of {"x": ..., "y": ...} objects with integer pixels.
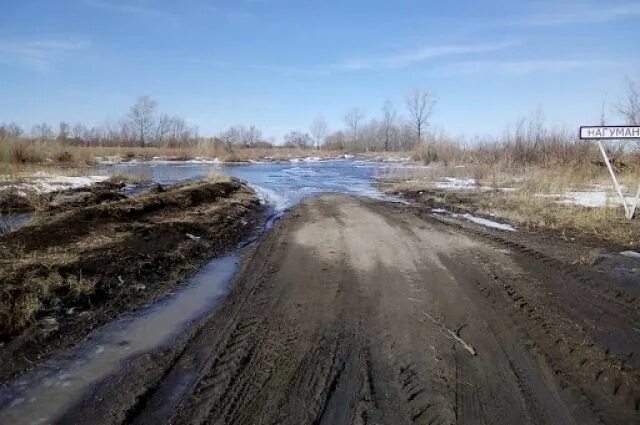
[{"x": 280, "y": 63}]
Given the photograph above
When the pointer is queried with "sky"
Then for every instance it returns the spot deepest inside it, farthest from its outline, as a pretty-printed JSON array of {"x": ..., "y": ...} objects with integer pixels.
[{"x": 279, "y": 64}]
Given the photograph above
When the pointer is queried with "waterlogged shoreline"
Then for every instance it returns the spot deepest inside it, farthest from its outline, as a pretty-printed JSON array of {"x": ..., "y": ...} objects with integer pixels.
[
  {"x": 44, "y": 395},
  {"x": 82, "y": 266}
]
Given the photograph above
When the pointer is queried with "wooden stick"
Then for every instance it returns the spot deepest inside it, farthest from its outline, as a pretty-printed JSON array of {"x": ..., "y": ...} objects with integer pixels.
[{"x": 453, "y": 335}]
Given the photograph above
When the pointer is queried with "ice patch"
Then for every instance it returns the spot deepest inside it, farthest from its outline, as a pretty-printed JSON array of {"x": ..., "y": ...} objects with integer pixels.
[
  {"x": 46, "y": 183},
  {"x": 631, "y": 254},
  {"x": 201, "y": 160},
  {"x": 306, "y": 159},
  {"x": 457, "y": 183},
  {"x": 300, "y": 171},
  {"x": 439, "y": 211},
  {"x": 489, "y": 223},
  {"x": 593, "y": 199},
  {"x": 269, "y": 196}
]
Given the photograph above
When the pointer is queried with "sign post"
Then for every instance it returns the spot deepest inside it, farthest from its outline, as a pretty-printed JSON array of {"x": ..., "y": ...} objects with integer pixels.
[{"x": 617, "y": 132}]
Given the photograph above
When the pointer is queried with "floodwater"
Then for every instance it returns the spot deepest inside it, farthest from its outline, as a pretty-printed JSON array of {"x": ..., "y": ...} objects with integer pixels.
[
  {"x": 283, "y": 184},
  {"x": 43, "y": 395}
]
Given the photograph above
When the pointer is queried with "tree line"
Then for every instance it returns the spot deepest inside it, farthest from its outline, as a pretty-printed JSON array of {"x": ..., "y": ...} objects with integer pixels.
[{"x": 144, "y": 125}]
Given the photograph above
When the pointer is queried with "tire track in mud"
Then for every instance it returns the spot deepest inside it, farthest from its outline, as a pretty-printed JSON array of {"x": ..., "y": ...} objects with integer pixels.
[
  {"x": 326, "y": 326},
  {"x": 576, "y": 351}
]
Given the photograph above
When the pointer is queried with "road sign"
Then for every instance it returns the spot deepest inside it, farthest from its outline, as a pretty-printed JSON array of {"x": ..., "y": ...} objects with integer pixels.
[
  {"x": 611, "y": 132},
  {"x": 614, "y": 132}
]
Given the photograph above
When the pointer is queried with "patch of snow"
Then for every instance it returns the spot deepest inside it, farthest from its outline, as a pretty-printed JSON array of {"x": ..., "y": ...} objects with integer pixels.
[
  {"x": 631, "y": 254},
  {"x": 593, "y": 198},
  {"x": 457, "y": 183},
  {"x": 396, "y": 159},
  {"x": 108, "y": 160},
  {"x": 269, "y": 196},
  {"x": 306, "y": 159},
  {"x": 46, "y": 183},
  {"x": 439, "y": 211},
  {"x": 489, "y": 223},
  {"x": 202, "y": 160}
]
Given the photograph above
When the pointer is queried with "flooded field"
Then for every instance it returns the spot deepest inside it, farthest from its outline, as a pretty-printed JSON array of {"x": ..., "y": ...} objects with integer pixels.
[{"x": 283, "y": 184}]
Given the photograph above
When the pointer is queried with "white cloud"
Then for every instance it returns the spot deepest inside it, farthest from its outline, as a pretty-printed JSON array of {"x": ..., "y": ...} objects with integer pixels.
[
  {"x": 39, "y": 54},
  {"x": 516, "y": 67},
  {"x": 422, "y": 54}
]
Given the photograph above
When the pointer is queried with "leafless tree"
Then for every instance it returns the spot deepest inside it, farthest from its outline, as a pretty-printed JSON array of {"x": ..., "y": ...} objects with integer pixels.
[
  {"x": 353, "y": 118},
  {"x": 420, "y": 104},
  {"x": 142, "y": 117},
  {"x": 318, "y": 129},
  {"x": 163, "y": 128},
  {"x": 42, "y": 132},
  {"x": 232, "y": 136},
  {"x": 629, "y": 108},
  {"x": 78, "y": 132},
  {"x": 336, "y": 140},
  {"x": 298, "y": 139},
  {"x": 63, "y": 132},
  {"x": 388, "y": 122},
  {"x": 251, "y": 136},
  {"x": 11, "y": 130}
]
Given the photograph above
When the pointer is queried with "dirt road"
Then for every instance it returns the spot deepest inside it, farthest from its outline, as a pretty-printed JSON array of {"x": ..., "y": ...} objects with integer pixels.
[{"x": 346, "y": 314}]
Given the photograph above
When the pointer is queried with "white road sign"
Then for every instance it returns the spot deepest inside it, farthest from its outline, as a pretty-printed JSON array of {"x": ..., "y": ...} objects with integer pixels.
[
  {"x": 609, "y": 132},
  {"x": 614, "y": 132}
]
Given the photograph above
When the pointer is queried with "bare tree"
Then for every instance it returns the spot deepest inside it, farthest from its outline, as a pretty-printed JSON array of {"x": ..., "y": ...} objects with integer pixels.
[
  {"x": 353, "y": 119},
  {"x": 420, "y": 104},
  {"x": 231, "y": 136},
  {"x": 163, "y": 128},
  {"x": 298, "y": 139},
  {"x": 12, "y": 130},
  {"x": 336, "y": 140},
  {"x": 251, "y": 136},
  {"x": 42, "y": 132},
  {"x": 388, "y": 122},
  {"x": 63, "y": 132},
  {"x": 142, "y": 117},
  {"x": 318, "y": 129},
  {"x": 629, "y": 108},
  {"x": 78, "y": 131}
]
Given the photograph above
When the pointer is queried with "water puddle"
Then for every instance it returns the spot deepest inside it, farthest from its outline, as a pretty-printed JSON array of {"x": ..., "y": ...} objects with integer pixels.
[
  {"x": 14, "y": 221},
  {"x": 41, "y": 396}
]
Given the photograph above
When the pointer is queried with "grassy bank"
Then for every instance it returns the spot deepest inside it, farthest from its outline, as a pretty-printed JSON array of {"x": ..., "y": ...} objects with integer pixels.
[{"x": 569, "y": 202}]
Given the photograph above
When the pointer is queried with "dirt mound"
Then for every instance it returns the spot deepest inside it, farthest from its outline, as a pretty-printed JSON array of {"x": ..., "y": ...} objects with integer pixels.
[{"x": 96, "y": 254}]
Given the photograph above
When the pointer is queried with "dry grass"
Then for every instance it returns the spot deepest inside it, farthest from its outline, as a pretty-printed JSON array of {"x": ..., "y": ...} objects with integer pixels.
[
  {"x": 528, "y": 205},
  {"x": 215, "y": 177},
  {"x": 15, "y": 154}
]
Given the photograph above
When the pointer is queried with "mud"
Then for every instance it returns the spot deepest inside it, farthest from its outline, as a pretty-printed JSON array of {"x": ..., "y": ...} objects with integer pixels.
[
  {"x": 345, "y": 313},
  {"x": 88, "y": 259}
]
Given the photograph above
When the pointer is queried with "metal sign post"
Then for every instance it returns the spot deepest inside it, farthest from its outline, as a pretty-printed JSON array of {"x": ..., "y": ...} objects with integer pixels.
[{"x": 617, "y": 132}]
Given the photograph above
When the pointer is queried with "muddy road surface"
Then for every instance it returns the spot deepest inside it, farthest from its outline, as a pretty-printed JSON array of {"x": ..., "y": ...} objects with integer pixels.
[{"x": 354, "y": 311}]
